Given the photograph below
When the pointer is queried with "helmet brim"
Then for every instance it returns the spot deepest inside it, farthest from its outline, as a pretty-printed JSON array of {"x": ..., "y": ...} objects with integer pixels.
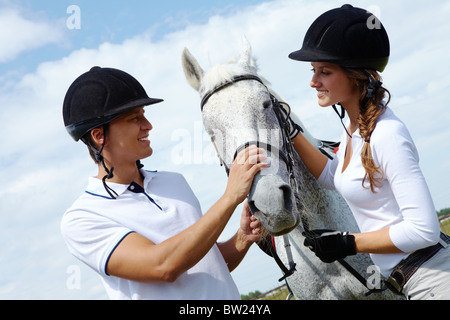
[
  {"x": 378, "y": 64},
  {"x": 78, "y": 130}
]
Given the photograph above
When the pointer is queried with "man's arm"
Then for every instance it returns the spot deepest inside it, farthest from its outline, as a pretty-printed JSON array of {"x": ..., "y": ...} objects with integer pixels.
[
  {"x": 250, "y": 231},
  {"x": 139, "y": 259}
]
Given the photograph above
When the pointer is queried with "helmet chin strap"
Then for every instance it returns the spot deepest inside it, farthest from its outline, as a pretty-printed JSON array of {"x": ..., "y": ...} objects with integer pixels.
[
  {"x": 109, "y": 172},
  {"x": 373, "y": 85},
  {"x": 341, "y": 116},
  {"x": 101, "y": 159}
]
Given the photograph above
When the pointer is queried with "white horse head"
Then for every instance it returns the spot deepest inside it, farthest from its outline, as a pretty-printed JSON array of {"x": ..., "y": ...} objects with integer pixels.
[
  {"x": 247, "y": 117},
  {"x": 236, "y": 112}
]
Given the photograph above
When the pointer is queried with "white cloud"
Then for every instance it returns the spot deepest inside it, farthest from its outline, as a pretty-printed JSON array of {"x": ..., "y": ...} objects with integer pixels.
[
  {"x": 19, "y": 34},
  {"x": 43, "y": 170}
]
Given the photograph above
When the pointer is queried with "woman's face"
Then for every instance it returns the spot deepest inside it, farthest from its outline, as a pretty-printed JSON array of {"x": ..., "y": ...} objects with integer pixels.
[{"x": 332, "y": 84}]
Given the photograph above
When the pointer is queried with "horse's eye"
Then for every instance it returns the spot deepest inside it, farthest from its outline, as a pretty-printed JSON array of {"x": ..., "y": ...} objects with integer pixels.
[{"x": 267, "y": 104}]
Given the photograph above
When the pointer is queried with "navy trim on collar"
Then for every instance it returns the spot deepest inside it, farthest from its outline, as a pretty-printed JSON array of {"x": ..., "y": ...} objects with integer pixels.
[
  {"x": 98, "y": 195},
  {"x": 96, "y": 188},
  {"x": 136, "y": 188}
]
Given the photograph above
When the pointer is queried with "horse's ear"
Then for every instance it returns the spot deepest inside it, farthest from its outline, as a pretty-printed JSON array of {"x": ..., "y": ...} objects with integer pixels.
[
  {"x": 192, "y": 69},
  {"x": 245, "y": 58}
]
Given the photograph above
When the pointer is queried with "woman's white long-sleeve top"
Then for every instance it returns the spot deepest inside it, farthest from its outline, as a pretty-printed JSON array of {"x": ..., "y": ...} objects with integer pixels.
[{"x": 402, "y": 202}]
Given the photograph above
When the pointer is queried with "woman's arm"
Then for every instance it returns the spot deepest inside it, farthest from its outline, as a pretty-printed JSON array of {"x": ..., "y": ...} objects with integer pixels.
[
  {"x": 313, "y": 159},
  {"x": 395, "y": 153},
  {"x": 375, "y": 242}
]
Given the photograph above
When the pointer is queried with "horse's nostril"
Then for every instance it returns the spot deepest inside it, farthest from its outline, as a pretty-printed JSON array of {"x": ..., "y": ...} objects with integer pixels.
[
  {"x": 253, "y": 207},
  {"x": 287, "y": 196},
  {"x": 286, "y": 202}
]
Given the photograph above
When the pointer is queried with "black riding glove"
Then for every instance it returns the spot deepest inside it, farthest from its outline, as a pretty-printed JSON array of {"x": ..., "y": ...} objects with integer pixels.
[
  {"x": 330, "y": 245},
  {"x": 293, "y": 128}
]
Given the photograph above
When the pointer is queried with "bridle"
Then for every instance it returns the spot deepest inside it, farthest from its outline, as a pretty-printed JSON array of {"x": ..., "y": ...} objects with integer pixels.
[
  {"x": 286, "y": 154},
  {"x": 226, "y": 84}
]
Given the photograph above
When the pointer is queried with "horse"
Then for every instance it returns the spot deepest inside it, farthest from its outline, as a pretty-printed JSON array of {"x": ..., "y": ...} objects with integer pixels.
[{"x": 239, "y": 108}]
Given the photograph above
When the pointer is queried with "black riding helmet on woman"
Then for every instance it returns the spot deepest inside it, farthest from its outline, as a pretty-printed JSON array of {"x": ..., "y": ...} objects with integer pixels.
[{"x": 347, "y": 36}]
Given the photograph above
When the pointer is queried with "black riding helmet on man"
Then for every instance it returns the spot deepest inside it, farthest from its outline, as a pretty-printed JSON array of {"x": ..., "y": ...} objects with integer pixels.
[{"x": 96, "y": 98}]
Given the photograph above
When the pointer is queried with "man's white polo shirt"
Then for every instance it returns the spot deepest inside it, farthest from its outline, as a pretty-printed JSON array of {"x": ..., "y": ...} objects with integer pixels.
[{"x": 95, "y": 224}]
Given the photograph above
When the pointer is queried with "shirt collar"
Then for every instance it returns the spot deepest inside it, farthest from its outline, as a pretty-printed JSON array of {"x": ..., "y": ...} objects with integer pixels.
[{"x": 95, "y": 185}]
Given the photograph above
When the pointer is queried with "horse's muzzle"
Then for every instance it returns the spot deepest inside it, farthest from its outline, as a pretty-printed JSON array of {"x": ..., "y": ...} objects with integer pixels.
[{"x": 272, "y": 202}]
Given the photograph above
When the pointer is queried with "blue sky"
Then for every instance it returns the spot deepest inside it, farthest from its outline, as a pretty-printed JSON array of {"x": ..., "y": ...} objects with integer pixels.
[
  {"x": 112, "y": 21},
  {"x": 42, "y": 171}
]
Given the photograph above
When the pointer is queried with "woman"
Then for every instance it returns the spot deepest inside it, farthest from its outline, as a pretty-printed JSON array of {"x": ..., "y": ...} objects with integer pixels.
[{"x": 376, "y": 167}]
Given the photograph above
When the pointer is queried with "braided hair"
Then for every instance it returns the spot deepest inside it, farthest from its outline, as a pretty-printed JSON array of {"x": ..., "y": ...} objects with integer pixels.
[{"x": 371, "y": 106}]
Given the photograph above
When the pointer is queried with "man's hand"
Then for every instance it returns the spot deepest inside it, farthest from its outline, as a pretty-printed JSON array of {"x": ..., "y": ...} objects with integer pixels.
[
  {"x": 251, "y": 229},
  {"x": 247, "y": 164}
]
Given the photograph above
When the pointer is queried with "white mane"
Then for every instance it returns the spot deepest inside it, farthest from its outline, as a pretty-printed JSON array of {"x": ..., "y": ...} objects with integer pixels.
[{"x": 223, "y": 73}]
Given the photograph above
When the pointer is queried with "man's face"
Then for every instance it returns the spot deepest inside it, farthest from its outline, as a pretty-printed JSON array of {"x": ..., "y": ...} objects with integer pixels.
[{"x": 127, "y": 137}]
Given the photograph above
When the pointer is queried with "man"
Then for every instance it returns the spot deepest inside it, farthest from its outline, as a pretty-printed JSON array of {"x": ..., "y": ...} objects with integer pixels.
[{"x": 143, "y": 231}]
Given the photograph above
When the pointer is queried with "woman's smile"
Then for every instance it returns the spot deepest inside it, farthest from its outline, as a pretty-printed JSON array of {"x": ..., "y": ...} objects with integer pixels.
[
  {"x": 321, "y": 93},
  {"x": 332, "y": 84}
]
